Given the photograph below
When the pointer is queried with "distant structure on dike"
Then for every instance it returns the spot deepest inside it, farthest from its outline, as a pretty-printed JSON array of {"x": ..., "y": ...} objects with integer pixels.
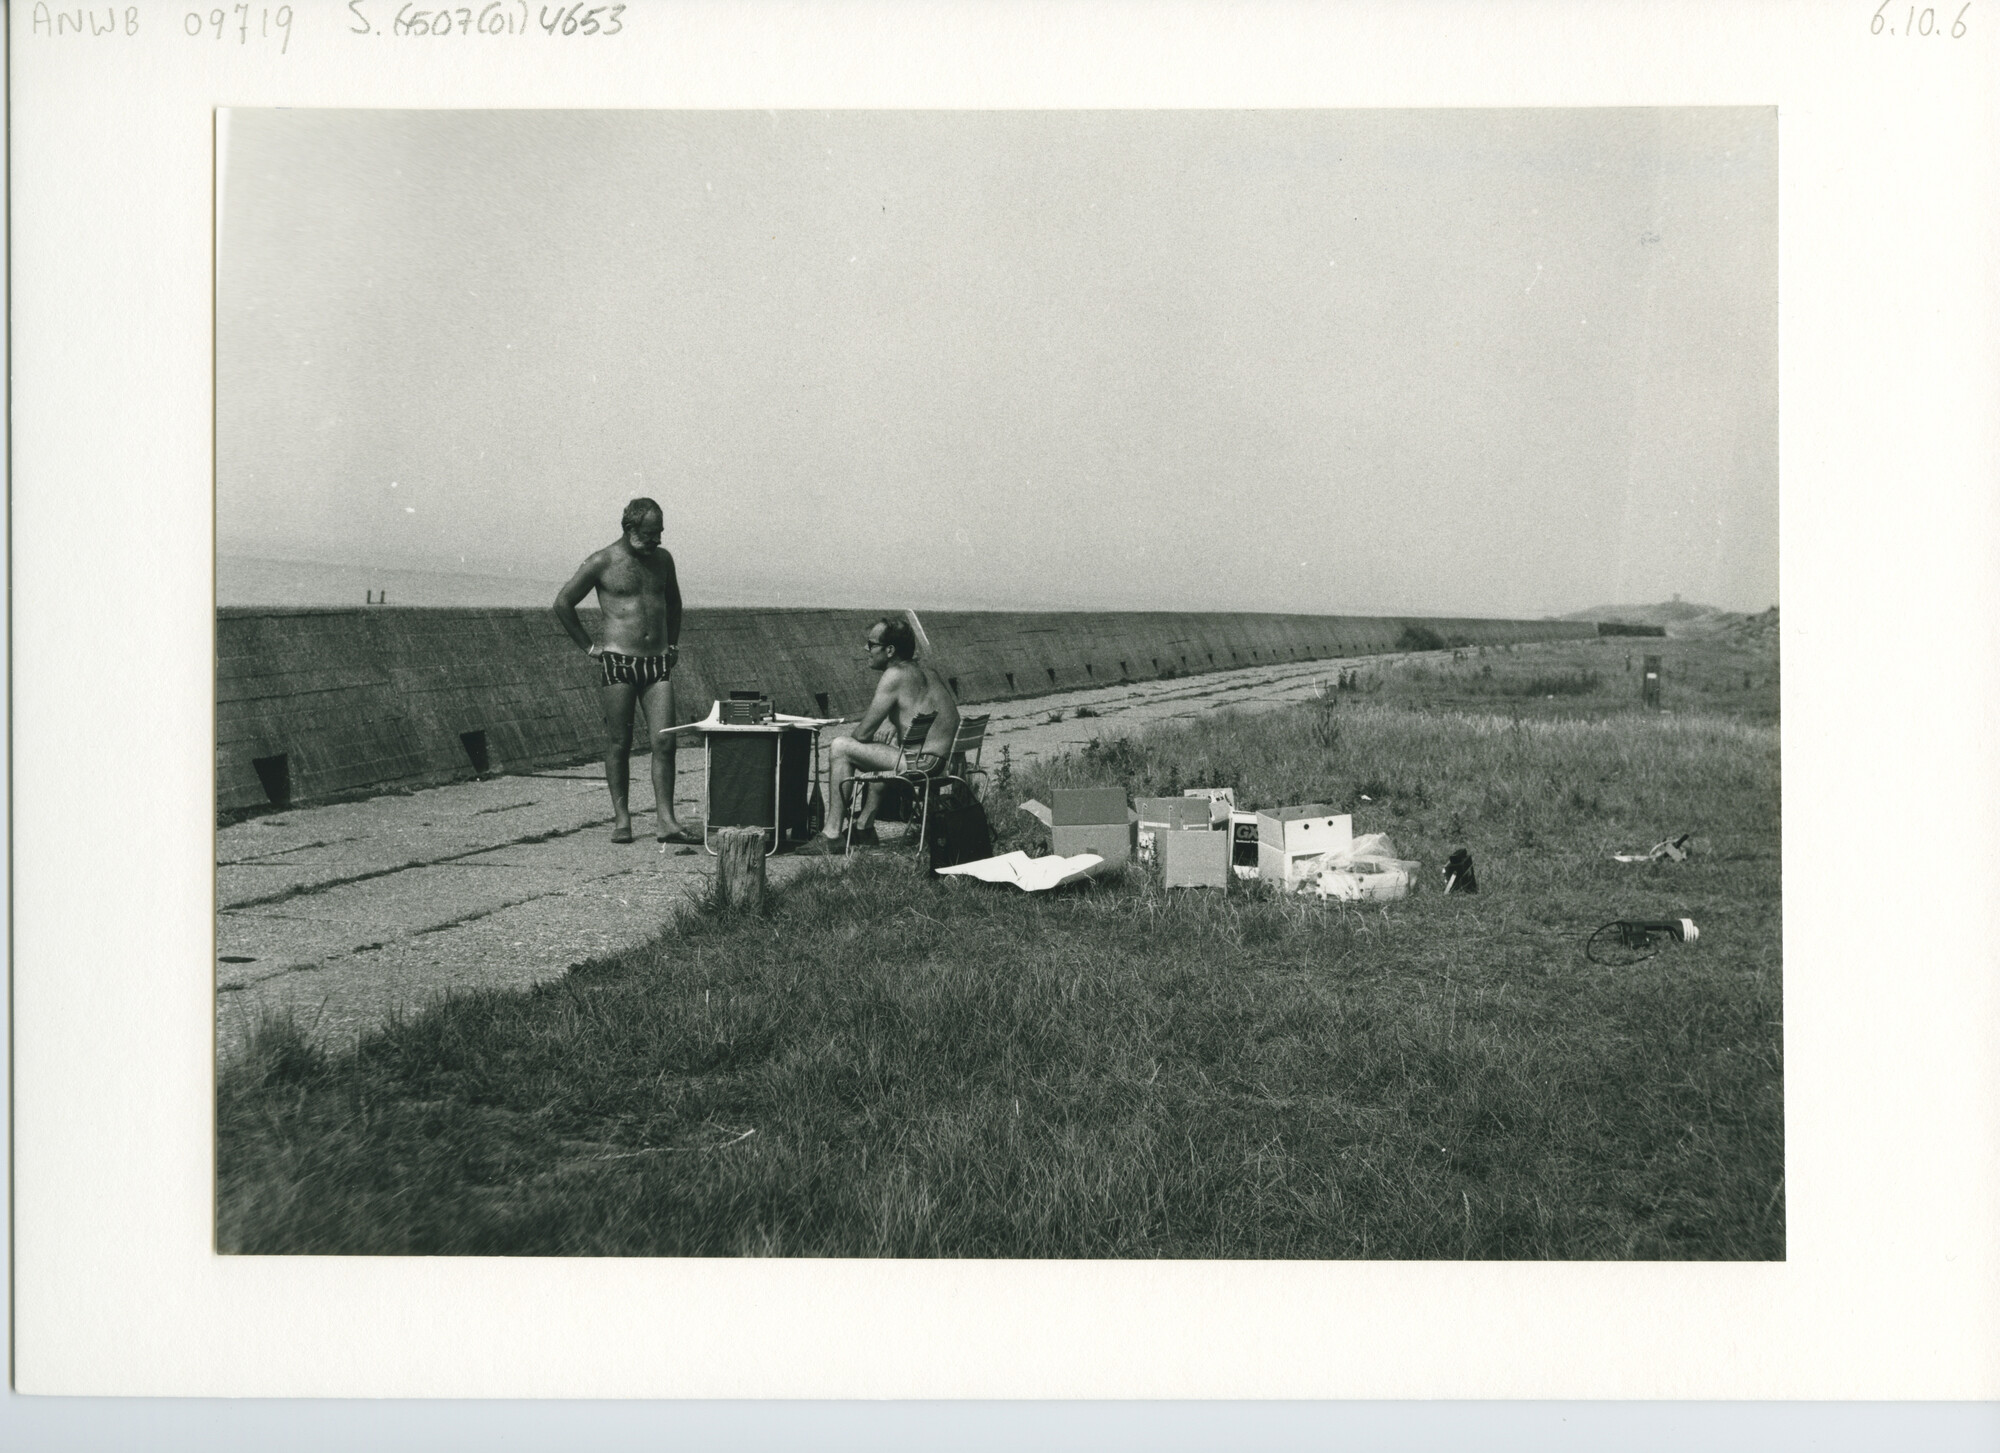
[{"x": 317, "y": 704}]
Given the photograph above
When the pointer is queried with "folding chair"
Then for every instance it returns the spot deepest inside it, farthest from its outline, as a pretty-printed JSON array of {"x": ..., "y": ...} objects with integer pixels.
[
  {"x": 965, "y": 749},
  {"x": 961, "y": 766},
  {"x": 920, "y": 728},
  {"x": 962, "y": 771}
]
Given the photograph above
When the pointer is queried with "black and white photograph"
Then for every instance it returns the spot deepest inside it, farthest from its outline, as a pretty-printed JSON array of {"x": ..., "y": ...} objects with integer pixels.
[
  {"x": 1041, "y": 684},
  {"x": 1039, "y": 723}
]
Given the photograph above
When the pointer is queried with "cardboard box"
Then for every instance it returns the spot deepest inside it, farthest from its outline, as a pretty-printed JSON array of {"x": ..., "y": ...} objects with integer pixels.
[
  {"x": 1291, "y": 841},
  {"x": 1172, "y": 814},
  {"x": 1177, "y": 812},
  {"x": 1243, "y": 844},
  {"x": 1221, "y": 803},
  {"x": 1093, "y": 820},
  {"x": 1193, "y": 858}
]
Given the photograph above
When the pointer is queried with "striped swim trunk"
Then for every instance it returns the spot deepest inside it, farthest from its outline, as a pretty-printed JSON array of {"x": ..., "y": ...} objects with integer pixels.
[{"x": 639, "y": 671}]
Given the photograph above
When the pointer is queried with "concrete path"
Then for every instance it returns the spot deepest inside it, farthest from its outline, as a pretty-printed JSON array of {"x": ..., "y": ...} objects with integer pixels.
[{"x": 346, "y": 914}]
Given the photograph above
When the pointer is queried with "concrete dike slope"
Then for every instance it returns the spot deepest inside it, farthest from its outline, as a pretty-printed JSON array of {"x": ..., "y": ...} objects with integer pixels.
[{"x": 317, "y": 704}]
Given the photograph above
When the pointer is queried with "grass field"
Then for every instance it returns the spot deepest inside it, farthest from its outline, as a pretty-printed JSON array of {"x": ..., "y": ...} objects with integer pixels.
[{"x": 889, "y": 1065}]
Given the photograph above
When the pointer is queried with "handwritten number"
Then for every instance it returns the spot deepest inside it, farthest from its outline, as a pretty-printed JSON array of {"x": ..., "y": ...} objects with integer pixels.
[
  {"x": 1919, "y": 22},
  {"x": 493, "y": 18}
]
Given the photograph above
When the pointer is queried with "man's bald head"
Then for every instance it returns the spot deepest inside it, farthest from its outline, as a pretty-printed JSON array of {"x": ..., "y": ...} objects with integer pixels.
[{"x": 637, "y": 511}]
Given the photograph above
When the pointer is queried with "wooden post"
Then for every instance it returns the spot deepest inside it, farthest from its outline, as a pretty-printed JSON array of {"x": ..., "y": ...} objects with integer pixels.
[
  {"x": 1649, "y": 683},
  {"x": 739, "y": 867}
]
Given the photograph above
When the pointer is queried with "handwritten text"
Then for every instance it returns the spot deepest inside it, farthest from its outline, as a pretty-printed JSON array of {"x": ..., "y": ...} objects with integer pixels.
[{"x": 82, "y": 21}]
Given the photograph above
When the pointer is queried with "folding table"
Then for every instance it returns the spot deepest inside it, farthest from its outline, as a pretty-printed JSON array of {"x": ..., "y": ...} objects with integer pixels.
[{"x": 756, "y": 774}]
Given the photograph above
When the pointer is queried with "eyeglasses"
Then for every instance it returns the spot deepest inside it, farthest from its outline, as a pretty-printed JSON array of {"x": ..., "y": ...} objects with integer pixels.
[{"x": 873, "y": 645}]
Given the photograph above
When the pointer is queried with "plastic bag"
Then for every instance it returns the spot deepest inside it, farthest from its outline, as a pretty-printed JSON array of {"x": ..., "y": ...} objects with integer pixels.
[{"x": 1369, "y": 872}]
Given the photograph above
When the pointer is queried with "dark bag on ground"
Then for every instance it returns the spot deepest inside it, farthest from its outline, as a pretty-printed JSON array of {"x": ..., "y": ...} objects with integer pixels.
[
  {"x": 896, "y": 803},
  {"x": 959, "y": 832}
]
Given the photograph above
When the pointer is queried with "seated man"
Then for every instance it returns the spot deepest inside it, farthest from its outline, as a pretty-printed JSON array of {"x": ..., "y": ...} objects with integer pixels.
[{"x": 908, "y": 690}]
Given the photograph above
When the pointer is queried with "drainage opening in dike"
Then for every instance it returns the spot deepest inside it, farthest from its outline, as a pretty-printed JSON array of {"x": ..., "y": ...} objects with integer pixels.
[
  {"x": 475, "y": 749},
  {"x": 275, "y": 775}
]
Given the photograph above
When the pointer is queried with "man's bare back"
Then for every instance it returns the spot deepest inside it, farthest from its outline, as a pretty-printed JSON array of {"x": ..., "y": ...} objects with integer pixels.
[{"x": 908, "y": 690}]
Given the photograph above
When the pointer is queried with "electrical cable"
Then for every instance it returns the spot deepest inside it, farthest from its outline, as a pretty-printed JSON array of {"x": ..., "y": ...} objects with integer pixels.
[
  {"x": 1637, "y": 940},
  {"x": 1590, "y": 948}
]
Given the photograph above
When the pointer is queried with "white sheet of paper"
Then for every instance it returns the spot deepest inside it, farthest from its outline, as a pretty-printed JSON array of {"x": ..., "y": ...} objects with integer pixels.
[{"x": 1031, "y": 875}]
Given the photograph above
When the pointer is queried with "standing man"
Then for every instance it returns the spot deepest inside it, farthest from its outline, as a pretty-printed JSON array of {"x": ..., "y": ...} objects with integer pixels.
[
  {"x": 908, "y": 689},
  {"x": 641, "y": 602}
]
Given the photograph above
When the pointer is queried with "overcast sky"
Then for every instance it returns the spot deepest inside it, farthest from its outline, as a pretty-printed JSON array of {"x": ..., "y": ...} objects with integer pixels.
[{"x": 1449, "y": 362}]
